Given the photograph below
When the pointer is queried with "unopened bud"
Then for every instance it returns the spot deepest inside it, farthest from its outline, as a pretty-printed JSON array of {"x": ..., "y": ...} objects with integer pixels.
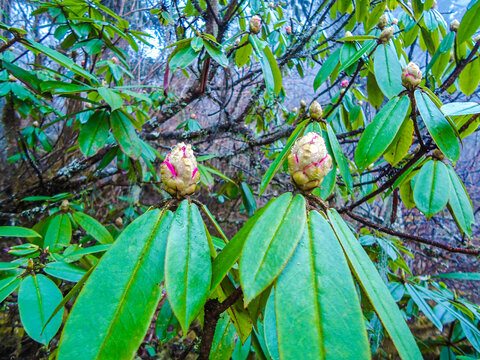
[
  {"x": 114, "y": 59},
  {"x": 411, "y": 76},
  {"x": 179, "y": 171},
  {"x": 65, "y": 205},
  {"x": 386, "y": 34},
  {"x": 35, "y": 124},
  {"x": 119, "y": 222},
  {"x": 360, "y": 102},
  {"x": 193, "y": 116},
  {"x": 237, "y": 41},
  {"x": 395, "y": 21},
  {"x": 303, "y": 104},
  {"x": 344, "y": 83},
  {"x": 382, "y": 22},
  {"x": 309, "y": 161},
  {"x": 12, "y": 78},
  {"x": 342, "y": 91},
  {"x": 11, "y": 48},
  {"x": 315, "y": 111},
  {"x": 437, "y": 154},
  {"x": 348, "y": 34},
  {"x": 255, "y": 24},
  {"x": 295, "y": 110},
  {"x": 454, "y": 25},
  {"x": 271, "y": 5},
  {"x": 288, "y": 29}
]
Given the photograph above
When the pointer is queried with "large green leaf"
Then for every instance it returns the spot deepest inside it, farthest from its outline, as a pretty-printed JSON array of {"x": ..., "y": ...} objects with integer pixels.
[
  {"x": 376, "y": 290},
  {"x": 388, "y": 70},
  {"x": 224, "y": 338},
  {"x": 277, "y": 75},
  {"x": 270, "y": 244},
  {"x": 59, "y": 232},
  {"x": 94, "y": 134},
  {"x": 470, "y": 77},
  {"x": 327, "y": 68},
  {"x": 188, "y": 268},
  {"x": 470, "y": 22},
  {"x": 277, "y": 163},
  {"x": 317, "y": 307},
  {"x": 8, "y": 285},
  {"x": 111, "y": 98},
  {"x": 231, "y": 252},
  {"x": 125, "y": 134},
  {"x": 339, "y": 158},
  {"x": 270, "y": 327},
  {"x": 459, "y": 203},
  {"x": 37, "y": 298},
  {"x": 401, "y": 144},
  {"x": 123, "y": 293},
  {"x": 215, "y": 53},
  {"x": 64, "y": 271},
  {"x": 93, "y": 228},
  {"x": 381, "y": 132},
  {"x": 17, "y": 231},
  {"x": 431, "y": 188},
  {"x": 438, "y": 126}
]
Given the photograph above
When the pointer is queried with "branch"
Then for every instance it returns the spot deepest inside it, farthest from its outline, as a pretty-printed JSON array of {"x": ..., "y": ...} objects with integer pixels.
[{"x": 415, "y": 238}]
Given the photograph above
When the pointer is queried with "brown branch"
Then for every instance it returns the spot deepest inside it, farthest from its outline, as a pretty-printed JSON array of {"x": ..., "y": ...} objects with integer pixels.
[
  {"x": 415, "y": 238},
  {"x": 456, "y": 73}
]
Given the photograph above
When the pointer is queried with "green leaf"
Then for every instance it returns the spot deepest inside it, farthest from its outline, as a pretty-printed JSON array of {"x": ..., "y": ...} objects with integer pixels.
[
  {"x": 64, "y": 271},
  {"x": 125, "y": 134},
  {"x": 166, "y": 323},
  {"x": 8, "y": 285},
  {"x": 376, "y": 290},
  {"x": 339, "y": 158},
  {"x": 438, "y": 126},
  {"x": 470, "y": 22},
  {"x": 188, "y": 268},
  {"x": 381, "y": 132},
  {"x": 271, "y": 243},
  {"x": 215, "y": 53},
  {"x": 375, "y": 95},
  {"x": 399, "y": 147},
  {"x": 432, "y": 188},
  {"x": 111, "y": 98},
  {"x": 248, "y": 198},
  {"x": 37, "y": 298},
  {"x": 423, "y": 306},
  {"x": 242, "y": 54},
  {"x": 327, "y": 68},
  {"x": 17, "y": 231},
  {"x": 316, "y": 303},
  {"x": 277, "y": 75},
  {"x": 270, "y": 327},
  {"x": 460, "y": 108},
  {"x": 470, "y": 77},
  {"x": 366, "y": 48},
  {"x": 93, "y": 227},
  {"x": 59, "y": 232},
  {"x": 135, "y": 264},
  {"x": 459, "y": 203},
  {"x": 93, "y": 134},
  {"x": 224, "y": 338},
  {"x": 388, "y": 70},
  {"x": 279, "y": 160},
  {"x": 458, "y": 276},
  {"x": 231, "y": 252},
  {"x": 8, "y": 266}
]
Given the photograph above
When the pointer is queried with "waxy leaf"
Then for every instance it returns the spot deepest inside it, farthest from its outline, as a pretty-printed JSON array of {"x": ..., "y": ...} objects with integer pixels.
[
  {"x": 401, "y": 144},
  {"x": 8, "y": 285},
  {"x": 93, "y": 228},
  {"x": 123, "y": 292},
  {"x": 59, "y": 232},
  {"x": 93, "y": 134},
  {"x": 270, "y": 244},
  {"x": 188, "y": 268},
  {"x": 125, "y": 134},
  {"x": 388, "y": 70},
  {"x": 316, "y": 303},
  {"x": 64, "y": 271},
  {"x": 339, "y": 158},
  {"x": 381, "y": 132},
  {"x": 438, "y": 126},
  {"x": 470, "y": 22},
  {"x": 459, "y": 203},
  {"x": 423, "y": 306},
  {"x": 432, "y": 188},
  {"x": 38, "y": 297},
  {"x": 17, "y": 231},
  {"x": 376, "y": 290},
  {"x": 327, "y": 68}
]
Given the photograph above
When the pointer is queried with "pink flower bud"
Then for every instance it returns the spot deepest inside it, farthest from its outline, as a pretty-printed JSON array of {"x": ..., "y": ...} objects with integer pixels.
[
  {"x": 179, "y": 171},
  {"x": 193, "y": 116},
  {"x": 344, "y": 83},
  {"x": 288, "y": 29},
  {"x": 309, "y": 161},
  {"x": 114, "y": 59},
  {"x": 255, "y": 24},
  {"x": 411, "y": 76}
]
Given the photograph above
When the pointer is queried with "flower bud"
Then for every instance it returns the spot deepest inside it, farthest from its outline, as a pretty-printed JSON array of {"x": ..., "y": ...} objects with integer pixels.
[
  {"x": 119, "y": 222},
  {"x": 114, "y": 59},
  {"x": 411, "y": 76},
  {"x": 271, "y": 5},
  {"x": 309, "y": 161},
  {"x": 193, "y": 116},
  {"x": 348, "y": 34},
  {"x": 386, "y": 34},
  {"x": 237, "y": 41},
  {"x": 342, "y": 91},
  {"x": 395, "y": 21},
  {"x": 35, "y": 124},
  {"x": 179, "y": 171},
  {"x": 437, "y": 154},
  {"x": 344, "y": 83},
  {"x": 295, "y": 110},
  {"x": 382, "y": 22},
  {"x": 315, "y": 111},
  {"x": 454, "y": 25},
  {"x": 360, "y": 102},
  {"x": 288, "y": 29},
  {"x": 65, "y": 205},
  {"x": 12, "y": 78},
  {"x": 303, "y": 104},
  {"x": 255, "y": 24}
]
